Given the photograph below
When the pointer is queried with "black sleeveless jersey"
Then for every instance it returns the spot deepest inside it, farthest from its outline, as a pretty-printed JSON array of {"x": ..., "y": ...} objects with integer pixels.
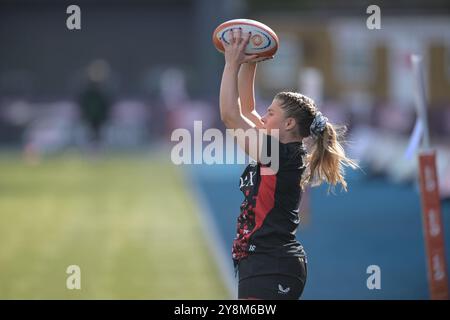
[{"x": 269, "y": 215}]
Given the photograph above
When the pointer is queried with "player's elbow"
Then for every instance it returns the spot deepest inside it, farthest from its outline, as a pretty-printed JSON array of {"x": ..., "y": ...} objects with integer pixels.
[{"x": 228, "y": 119}]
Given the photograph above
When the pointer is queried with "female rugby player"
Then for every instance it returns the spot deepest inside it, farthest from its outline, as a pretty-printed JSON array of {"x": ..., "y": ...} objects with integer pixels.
[{"x": 270, "y": 261}]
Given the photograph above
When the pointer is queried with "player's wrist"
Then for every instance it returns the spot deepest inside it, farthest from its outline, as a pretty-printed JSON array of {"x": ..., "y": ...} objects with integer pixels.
[
  {"x": 251, "y": 64},
  {"x": 232, "y": 66}
]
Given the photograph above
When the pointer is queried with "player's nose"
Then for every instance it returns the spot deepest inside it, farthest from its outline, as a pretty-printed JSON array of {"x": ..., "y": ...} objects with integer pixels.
[{"x": 263, "y": 119}]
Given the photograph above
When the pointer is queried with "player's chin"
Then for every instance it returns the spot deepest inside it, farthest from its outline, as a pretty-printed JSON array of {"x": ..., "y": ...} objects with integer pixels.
[{"x": 269, "y": 130}]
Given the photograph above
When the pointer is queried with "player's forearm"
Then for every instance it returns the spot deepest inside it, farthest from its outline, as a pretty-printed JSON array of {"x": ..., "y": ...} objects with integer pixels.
[
  {"x": 229, "y": 96},
  {"x": 246, "y": 85}
]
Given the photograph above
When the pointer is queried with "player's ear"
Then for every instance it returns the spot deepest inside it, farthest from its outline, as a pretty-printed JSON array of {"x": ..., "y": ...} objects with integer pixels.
[{"x": 289, "y": 124}]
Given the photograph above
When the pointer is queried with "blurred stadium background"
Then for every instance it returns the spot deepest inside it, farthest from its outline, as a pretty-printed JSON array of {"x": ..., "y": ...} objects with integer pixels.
[{"x": 142, "y": 228}]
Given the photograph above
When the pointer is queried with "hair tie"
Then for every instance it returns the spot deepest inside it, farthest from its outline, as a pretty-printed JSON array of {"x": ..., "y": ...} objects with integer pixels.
[{"x": 318, "y": 124}]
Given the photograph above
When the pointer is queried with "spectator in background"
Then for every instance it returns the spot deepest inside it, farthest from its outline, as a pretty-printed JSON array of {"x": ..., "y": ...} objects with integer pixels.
[
  {"x": 95, "y": 104},
  {"x": 181, "y": 109}
]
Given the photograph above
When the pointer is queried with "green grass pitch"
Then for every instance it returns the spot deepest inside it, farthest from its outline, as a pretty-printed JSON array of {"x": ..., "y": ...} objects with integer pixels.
[{"x": 129, "y": 222}]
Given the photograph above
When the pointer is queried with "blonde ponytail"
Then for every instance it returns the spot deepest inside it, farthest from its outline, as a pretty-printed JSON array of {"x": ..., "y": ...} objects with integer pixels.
[{"x": 326, "y": 159}]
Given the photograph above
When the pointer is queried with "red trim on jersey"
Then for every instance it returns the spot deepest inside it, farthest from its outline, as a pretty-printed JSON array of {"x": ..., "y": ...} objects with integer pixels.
[{"x": 265, "y": 200}]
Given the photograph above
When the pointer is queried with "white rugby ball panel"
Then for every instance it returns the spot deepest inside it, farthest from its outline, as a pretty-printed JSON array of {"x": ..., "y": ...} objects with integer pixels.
[{"x": 263, "y": 41}]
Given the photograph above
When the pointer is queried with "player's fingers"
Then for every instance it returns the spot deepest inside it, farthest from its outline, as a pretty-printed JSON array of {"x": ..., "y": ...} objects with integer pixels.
[
  {"x": 249, "y": 58},
  {"x": 239, "y": 36},
  {"x": 246, "y": 39},
  {"x": 231, "y": 37},
  {"x": 236, "y": 36}
]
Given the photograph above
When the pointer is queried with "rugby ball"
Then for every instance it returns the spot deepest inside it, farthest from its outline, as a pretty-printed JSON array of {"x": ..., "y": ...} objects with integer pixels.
[{"x": 263, "y": 41}]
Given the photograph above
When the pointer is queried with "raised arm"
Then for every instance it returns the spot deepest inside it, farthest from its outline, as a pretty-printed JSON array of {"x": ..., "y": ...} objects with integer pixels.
[
  {"x": 230, "y": 107},
  {"x": 246, "y": 85}
]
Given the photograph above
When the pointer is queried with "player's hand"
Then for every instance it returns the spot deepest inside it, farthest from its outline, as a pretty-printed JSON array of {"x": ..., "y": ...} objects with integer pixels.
[
  {"x": 235, "y": 50},
  {"x": 260, "y": 59}
]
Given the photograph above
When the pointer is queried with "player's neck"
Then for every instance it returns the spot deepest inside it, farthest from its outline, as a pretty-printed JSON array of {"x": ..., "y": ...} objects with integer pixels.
[{"x": 290, "y": 139}]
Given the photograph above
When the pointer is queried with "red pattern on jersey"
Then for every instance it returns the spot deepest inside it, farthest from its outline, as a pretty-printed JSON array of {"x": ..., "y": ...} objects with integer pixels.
[{"x": 254, "y": 211}]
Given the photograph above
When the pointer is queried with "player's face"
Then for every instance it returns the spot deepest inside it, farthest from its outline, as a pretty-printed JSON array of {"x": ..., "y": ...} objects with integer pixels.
[{"x": 274, "y": 117}]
